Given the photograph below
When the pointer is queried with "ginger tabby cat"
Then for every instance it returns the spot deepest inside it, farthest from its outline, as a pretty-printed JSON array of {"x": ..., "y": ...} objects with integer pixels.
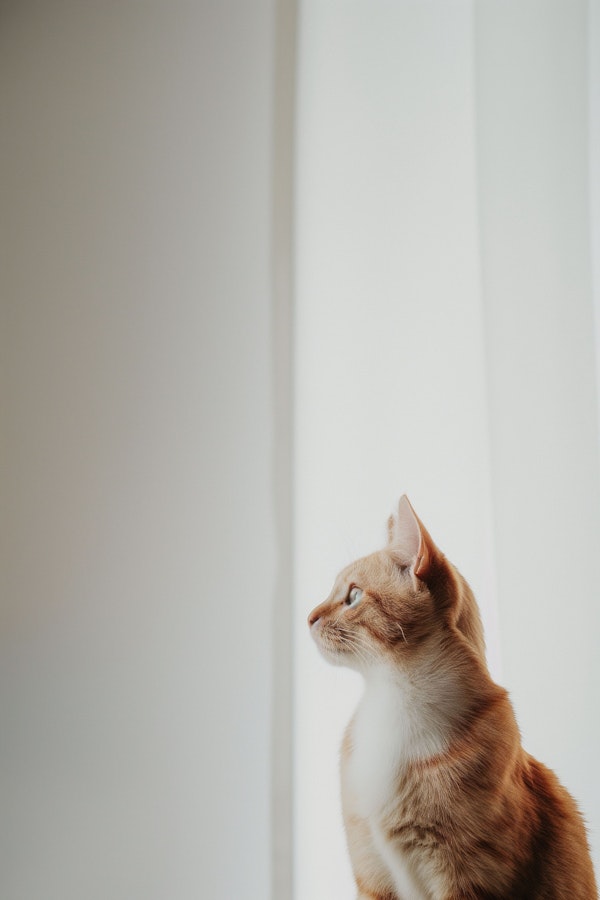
[{"x": 440, "y": 800}]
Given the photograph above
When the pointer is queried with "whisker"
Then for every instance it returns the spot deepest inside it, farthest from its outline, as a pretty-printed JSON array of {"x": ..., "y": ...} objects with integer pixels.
[
  {"x": 349, "y": 642},
  {"x": 356, "y": 643}
]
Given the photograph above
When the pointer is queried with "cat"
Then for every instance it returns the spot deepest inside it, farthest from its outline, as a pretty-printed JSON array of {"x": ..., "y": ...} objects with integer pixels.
[{"x": 440, "y": 800}]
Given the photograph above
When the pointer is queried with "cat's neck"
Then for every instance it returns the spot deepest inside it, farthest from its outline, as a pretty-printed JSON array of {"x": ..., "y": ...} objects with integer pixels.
[
  {"x": 404, "y": 717},
  {"x": 427, "y": 700}
]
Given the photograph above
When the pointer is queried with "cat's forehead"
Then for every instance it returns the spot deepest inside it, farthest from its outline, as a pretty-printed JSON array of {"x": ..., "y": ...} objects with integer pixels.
[{"x": 363, "y": 571}]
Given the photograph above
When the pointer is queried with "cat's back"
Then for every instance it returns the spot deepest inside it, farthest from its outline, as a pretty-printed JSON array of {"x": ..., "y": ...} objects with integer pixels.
[
  {"x": 513, "y": 822},
  {"x": 558, "y": 863},
  {"x": 526, "y": 833}
]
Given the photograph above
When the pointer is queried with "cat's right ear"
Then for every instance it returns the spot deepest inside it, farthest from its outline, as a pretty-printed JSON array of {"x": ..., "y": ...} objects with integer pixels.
[{"x": 410, "y": 542}]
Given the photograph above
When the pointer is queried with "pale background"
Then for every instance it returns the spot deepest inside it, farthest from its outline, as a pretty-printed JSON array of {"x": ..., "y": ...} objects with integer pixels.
[
  {"x": 265, "y": 265},
  {"x": 445, "y": 347}
]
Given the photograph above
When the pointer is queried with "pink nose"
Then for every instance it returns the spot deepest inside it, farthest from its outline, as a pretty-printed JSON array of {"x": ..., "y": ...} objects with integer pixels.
[{"x": 314, "y": 618}]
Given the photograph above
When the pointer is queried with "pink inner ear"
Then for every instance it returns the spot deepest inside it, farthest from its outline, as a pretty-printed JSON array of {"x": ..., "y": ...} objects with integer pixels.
[{"x": 405, "y": 534}]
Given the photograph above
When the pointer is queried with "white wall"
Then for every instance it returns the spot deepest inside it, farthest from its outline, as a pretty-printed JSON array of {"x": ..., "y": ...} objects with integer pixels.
[
  {"x": 444, "y": 347},
  {"x": 137, "y": 512}
]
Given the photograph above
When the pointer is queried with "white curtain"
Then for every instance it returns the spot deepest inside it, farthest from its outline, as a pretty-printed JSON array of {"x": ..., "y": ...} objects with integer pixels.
[{"x": 444, "y": 343}]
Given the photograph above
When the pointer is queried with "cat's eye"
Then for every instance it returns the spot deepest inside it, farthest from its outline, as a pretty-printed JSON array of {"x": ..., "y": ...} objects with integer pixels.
[{"x": 354, "y": 597}]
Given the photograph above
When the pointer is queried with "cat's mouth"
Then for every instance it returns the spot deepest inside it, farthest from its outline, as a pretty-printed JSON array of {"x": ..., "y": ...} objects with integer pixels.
[
  {"x": 330, "y": 647},
  {"x": 337, "y": 647}
]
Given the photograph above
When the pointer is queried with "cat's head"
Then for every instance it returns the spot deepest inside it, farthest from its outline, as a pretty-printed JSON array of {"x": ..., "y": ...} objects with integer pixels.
[{"x": 394, "y": 604}]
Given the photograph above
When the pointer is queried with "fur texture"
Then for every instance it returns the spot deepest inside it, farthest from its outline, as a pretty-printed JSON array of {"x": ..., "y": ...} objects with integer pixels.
[{"x": 440, "y": 800}]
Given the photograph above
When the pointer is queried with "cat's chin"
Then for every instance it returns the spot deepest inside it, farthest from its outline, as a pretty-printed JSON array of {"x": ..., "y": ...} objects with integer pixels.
[
  {"x": 330, "y": 654},
  {"x": 337, "y": 656}
]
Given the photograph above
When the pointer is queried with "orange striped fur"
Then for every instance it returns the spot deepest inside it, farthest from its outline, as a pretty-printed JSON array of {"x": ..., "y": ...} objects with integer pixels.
[{"x": 440, "y": 800}]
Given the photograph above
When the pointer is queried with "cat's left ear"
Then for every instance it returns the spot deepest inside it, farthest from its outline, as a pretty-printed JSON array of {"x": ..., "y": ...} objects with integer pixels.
[{"x": 410, "y": 542}]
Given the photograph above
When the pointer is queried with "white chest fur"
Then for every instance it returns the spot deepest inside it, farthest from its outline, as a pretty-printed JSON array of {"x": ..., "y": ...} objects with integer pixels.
[
  {"x": 398, "y": 719},
  {"x": 378, "y": 736}
]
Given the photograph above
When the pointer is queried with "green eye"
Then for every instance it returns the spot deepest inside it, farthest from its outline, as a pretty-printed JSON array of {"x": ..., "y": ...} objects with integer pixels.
[{"x": 354, "y": 597}]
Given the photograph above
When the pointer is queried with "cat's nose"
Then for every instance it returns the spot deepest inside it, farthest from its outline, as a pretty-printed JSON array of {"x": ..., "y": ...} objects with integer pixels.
[
  {"x": 317, "y": 614},
  {"x": 314, "y": 618}
]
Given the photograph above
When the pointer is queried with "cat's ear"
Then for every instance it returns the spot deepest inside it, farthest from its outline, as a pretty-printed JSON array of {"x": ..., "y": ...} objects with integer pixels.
[{"x": 410, "y": 542}]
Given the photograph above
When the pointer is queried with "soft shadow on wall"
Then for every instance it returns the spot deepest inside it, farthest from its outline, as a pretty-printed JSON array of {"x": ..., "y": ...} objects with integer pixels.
[{"x": 138, "y": 537}]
